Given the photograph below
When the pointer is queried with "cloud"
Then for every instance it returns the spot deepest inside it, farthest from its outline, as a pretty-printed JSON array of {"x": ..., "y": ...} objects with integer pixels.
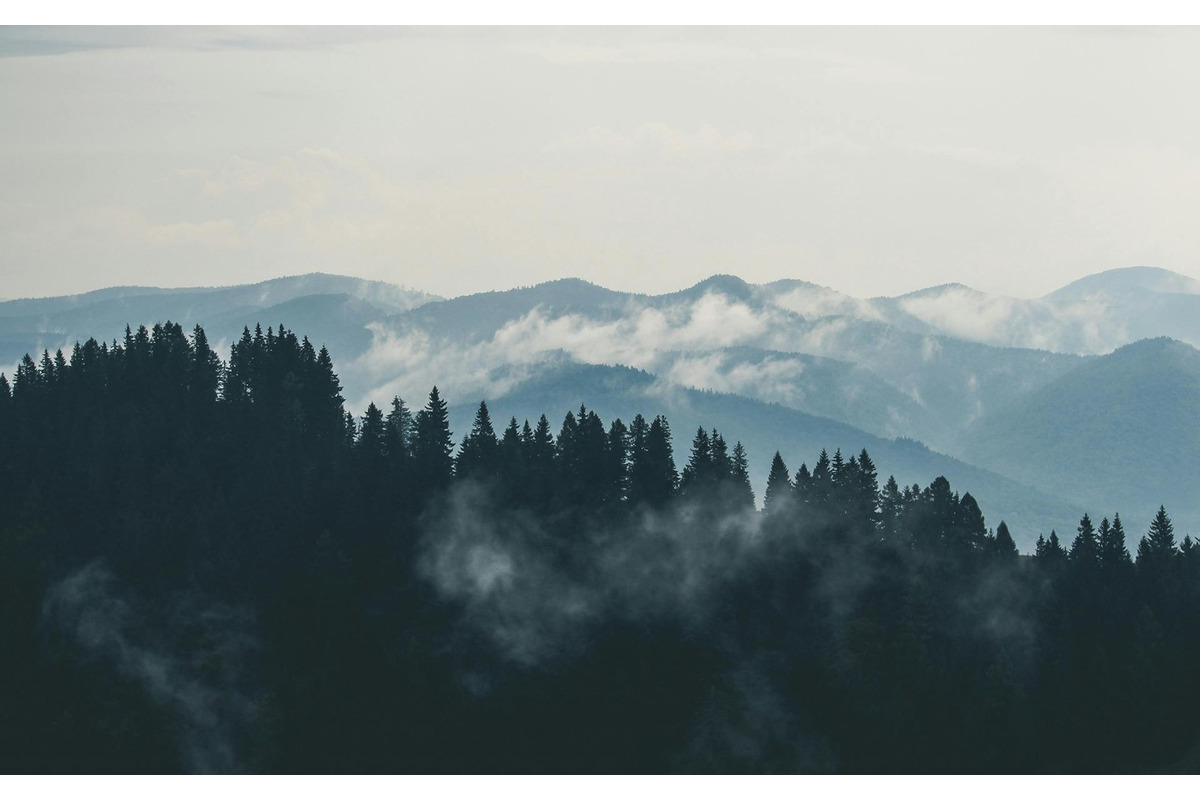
[
  {"x": 1085, "y": 325},
  {"x": 503, "y": 569},
  {"x": 207, "y": 691},
  {"x": 817, "y": 301},
  {"x": 644, "y": 337}
]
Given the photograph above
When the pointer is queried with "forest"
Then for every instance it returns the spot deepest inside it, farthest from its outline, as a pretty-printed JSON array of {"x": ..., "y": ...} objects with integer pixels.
[{"x": 210, "y": 565}]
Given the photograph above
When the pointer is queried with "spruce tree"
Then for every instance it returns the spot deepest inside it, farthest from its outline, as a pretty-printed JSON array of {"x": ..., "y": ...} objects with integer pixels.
[
  {"x": 479, "y": 455},
  {"x": 1085, "y": 550},
  {"x": 653, "y": 477},
  {"x": 779, "y": 486},
  {"x": 698, "y": 470},
  {"x": 891, "y": 505},
  {"x": 1113, "y": 552},
  {"x": 739, "y": 475},
  {"x": 1004, "y": 548},
  {"x": 616, "y": 455},
  {"x": 1157, "y": 547},
  {"x": 433, "y": 465},
  {"x": 399, "y": 425}
]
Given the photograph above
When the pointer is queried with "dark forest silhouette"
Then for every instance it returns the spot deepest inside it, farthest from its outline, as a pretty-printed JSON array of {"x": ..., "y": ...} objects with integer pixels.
[{"x": 213, "y": 566}]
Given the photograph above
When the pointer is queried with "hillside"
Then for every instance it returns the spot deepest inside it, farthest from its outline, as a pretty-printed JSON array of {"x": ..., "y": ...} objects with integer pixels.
[
  {"x": 763, "y": 428},
  {"x": 1119, "y": 433}
]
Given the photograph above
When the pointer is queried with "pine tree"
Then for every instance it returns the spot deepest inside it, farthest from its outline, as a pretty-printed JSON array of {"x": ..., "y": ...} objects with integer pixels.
[
  {"x": 1004, "y": 548},
  {"x": 433, "y": 465},
  {"x": 1051, "y": 550},
  {"x": 653, "y": 478},
  {"x": 479, "y": 455},
  {"x": 1085, "y": 550},
  {"x": 699, "y": 468},
  {"x": 820, "y": 486},
  {"x": 1113, "y": 552},
  {"x": 802, "y": 486},
  {"x": 1157, "y": 547},
  {"x": 891, "y": 505},
  {"x": 205, "y": 374},
  {"x": 542, "y": 454},
  {"x": 779, "y": 486},
  {"x": 399, "y": 424},
  {"x": 743, "y": 493},
  {"x": 969, "y": 531},
  {"x": 722, "y": 467},
  {"x": 616, "y": 476}
]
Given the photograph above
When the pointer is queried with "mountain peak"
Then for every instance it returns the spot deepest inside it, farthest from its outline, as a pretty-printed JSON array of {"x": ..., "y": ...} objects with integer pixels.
[
  {"x": 724, "y": 284},
  {"x": 941, "y": 288},
  {"x": 1129, "y": 279}
]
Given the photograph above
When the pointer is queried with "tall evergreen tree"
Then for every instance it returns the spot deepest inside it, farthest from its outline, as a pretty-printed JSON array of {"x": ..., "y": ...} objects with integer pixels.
[
  {"x": 891, "y": 505},
  {"x": 1085, "y": 550},
  {"x": 778, "y": 485},
  {"x": 433, "y": 465},
  {"x": 699, "y": 469},
  {"x": 479, "y": 455},
  {"x": 1157, "y": 547},
  {"x": 616, "y": 475},
  {"x": 1004, "y": 547},
  {"x": 1113, "y": 552},
  {"x": 743, "y": 493},
  {"x": 652, "y": 474}
]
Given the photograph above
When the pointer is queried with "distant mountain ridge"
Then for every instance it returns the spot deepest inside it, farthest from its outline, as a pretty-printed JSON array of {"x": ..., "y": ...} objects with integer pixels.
[{"x": 967, "y": 373}]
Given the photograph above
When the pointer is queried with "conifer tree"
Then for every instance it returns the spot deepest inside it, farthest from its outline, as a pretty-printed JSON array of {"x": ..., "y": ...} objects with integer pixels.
[
  {"x": 743, "y": 493},
  {"x": 542, "y": 454},
  {"x": 802, "y": 488},
  {"x": 722, "y": 467},
  {"x": 479, "y": 455},
  {"x": 433, "y": 465},
  {"x": 653, "y": 477},
  {"x": 399, "y": 424},
  {"x": 820, "y": 487},
  {"x": 1085, "y": 550},
  {"x": 1004, "y": 548},
  {"x": 1157, "y": 547},
  {"x": 1113, "y": 552},
  {"x": 778, "y": 485},
  {"x": 891, "y": 504},
  {"x": 616, "y": 476},
  {"x": 372, "y": 436},
  {"x": 1054, "y": 548},
  {"x": 970, "y": 533},
  {"x": 205, "y": 374},
  {"x": 699, "y": 468}
]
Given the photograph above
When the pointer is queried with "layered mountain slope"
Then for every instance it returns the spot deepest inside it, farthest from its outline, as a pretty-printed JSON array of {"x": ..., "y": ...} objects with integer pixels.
[
  {"x": 762, "y": 428},
  {"x": 725, "y": 335},
  {"x": 1093, "y": 315},
  {"x": 50, "y": 323},
  {"x": 1118, "y": 433}
]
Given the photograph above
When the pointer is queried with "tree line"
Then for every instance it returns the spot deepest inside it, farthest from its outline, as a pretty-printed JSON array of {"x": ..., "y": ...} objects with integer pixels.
[{"x": 213, "y": 565}]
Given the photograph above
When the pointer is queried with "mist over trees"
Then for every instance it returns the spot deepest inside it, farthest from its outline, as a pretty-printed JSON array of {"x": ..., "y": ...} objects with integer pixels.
[{"x": 211, "y": 565}]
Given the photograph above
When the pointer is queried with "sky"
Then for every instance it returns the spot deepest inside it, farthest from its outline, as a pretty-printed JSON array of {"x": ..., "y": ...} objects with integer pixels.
[{"x": 875, "y": 161}]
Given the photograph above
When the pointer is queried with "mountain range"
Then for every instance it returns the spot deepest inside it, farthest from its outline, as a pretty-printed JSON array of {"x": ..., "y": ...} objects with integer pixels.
[{"x": 1085, "y": 398}]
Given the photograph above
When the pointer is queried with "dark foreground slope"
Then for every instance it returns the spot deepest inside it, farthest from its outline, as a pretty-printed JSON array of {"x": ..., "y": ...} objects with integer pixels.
[{"x": 207, "y": 566}]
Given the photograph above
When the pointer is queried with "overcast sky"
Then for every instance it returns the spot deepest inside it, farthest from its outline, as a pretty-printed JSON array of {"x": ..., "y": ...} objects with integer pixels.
[{"x": 874, "y": 161}]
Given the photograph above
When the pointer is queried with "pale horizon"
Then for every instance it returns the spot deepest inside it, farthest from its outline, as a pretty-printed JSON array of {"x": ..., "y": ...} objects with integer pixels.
[{"x": 873, "y": 161}]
